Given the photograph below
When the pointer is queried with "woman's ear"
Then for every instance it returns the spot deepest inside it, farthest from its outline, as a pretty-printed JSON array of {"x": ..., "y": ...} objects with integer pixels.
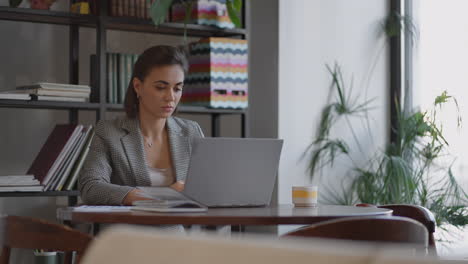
[{"x": 137, "y": 86}]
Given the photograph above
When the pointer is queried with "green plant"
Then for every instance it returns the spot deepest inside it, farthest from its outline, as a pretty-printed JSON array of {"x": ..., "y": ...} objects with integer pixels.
[
  {"x": 14, "y": 3},
  {"x": 395, "y": 23},
  {"x": 408, "y": 171},
  {"x": 160, "y": 8}
]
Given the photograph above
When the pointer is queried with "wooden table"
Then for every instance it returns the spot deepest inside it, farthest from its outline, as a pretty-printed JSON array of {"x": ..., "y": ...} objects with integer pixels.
[{"x": 272, "y": 215}]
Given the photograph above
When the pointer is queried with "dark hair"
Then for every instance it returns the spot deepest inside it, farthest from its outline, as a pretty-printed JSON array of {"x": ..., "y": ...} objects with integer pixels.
[{"x": 151, "y": 58}]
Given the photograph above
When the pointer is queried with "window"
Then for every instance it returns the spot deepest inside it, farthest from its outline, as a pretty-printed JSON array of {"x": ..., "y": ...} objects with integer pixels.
[{"x": 441, "y": 63}]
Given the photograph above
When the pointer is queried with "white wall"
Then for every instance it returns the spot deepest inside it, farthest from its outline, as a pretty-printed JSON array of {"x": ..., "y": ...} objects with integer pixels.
[{"x": 312, "y": 34}]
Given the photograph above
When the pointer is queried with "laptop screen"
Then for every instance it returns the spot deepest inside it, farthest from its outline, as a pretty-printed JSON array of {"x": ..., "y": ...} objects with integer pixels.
[{"x": 226, "y": 172}]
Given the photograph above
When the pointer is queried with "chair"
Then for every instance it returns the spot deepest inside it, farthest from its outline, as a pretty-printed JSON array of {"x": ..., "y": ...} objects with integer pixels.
[
  {"x": 416, "y": 212},
  {"x": 392, "y": 229},
  {"x": 144, "y": 245},
  {"x": 30, "y": 233}
]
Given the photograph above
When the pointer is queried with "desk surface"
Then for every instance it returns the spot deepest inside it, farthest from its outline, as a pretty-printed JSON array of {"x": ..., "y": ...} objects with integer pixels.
[{"x": 273, "y": 215}]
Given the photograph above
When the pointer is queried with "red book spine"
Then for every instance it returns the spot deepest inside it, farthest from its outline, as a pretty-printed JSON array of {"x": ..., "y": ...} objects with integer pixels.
[{"x": 50, "y": 151}]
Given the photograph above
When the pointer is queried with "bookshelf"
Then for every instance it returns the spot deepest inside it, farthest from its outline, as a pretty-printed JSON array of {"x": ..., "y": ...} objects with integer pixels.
[
  {"x": 114, "y": 23},
  {"x": 101, "y": 23},
  {"x": 72, "y": 195},
  {"x": 5, "y": 103}
]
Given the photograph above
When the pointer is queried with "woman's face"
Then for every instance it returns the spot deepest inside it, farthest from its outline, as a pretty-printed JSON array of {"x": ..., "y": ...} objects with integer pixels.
[{"x": 160, "y": 91}]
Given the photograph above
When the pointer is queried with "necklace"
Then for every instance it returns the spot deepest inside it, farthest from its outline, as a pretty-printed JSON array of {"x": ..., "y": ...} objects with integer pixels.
[{"x": 149, "y": 143}]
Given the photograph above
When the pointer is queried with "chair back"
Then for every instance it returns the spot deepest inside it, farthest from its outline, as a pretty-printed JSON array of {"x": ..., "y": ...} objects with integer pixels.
[
  {"x": 415, "y": 212},
  {"x": 382, "y": 229},
  {"x": 30, "y": 233},
  {"x": 418, "y": 213},
  {"x": 145, "y": 245}
]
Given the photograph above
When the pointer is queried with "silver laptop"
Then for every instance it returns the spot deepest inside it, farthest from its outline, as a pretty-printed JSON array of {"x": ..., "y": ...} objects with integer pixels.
[
  {"x": 223, "y": 172},
  {"x": 232, "y": 172}
]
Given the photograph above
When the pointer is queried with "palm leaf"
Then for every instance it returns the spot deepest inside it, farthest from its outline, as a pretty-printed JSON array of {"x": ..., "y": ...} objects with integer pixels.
[
  {"x": 406, "y": 172},
  {"x": 326, "y": 153},
  {"x": 233, "y": 8},
  {"x": 14, "y": 3},
  {"x": 158, "y": 10}
]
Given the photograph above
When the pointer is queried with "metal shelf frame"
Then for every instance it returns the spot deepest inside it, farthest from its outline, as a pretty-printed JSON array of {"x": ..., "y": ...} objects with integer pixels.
[{"x": 102, "y": 22}]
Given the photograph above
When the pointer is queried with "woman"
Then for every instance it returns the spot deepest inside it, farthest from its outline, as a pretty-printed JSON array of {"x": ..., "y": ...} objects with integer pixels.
[{"x": 148, "y": 147}]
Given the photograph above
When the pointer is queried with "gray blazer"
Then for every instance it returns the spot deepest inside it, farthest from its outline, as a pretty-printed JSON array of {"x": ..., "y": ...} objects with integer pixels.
[{"x": 116, "y": 162}]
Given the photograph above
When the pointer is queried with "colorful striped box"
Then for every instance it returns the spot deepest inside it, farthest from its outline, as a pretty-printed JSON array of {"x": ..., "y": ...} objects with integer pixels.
[
  {"x": 218, "y": 74},
  {"x": 204, "y": 12}
]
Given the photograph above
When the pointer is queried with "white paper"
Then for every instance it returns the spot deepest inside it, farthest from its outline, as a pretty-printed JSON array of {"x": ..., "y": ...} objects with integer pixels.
[{"x": 101, "y": 208}]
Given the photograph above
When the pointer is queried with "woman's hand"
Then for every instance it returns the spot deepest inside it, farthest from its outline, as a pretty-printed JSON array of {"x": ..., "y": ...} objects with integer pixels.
[
  {"x": 134, "y": 195},
  {"x": 178, "y": 186}
]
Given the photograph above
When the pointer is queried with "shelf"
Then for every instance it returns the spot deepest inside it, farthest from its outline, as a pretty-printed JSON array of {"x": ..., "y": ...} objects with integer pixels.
[
  {"x": 48, "y": 193},
  {"x": 170, "y": 28},
  {"x": 47, "y": 104},
  {"x": 201, "y": 110},
  {"x": 114, "y": 23},
  {"x": 46, "y": 16},
  {"x": 189, "y": 109},
  {"x": 4, "y": 103}
]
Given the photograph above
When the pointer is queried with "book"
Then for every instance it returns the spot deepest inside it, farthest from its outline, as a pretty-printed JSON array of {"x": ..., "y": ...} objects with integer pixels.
[
  {"x": 62, "y": 160},
  {"x": 109, "y": 76},
  {"x": 37, "y": 188},
  {"x": 168, "y": 207},
  {"x": 122, "y": 78},
  {"x": 58, "y": 98},
  {"x": 53, "y": 92},
  {"x": 14, "y": 96},
  {"x": 100, "y": 208},
  {"x": 70, "y": 183},
  {"x": 165, "y": 200},
  {"x": 115, "y": 77},
  {"x": 51, "y": 153},
  {"x": 129, "y": 71},
  {"x": 93, "y": 80},
  {"x": 67, "y": 161},
  {"x": 132, "y": 8},
  {"x": 113, "y": 7},
  {"x": 73, "y": 157},
  {"x": 120, "y": 8},
  {"x": 125, "y": 8},
  {"x": 18, "y": 180},
  {"x": 57, "y": 86}
]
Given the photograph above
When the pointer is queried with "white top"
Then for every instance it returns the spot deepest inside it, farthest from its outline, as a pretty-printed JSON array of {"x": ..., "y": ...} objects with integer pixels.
[{"x": 161, "y": 177}]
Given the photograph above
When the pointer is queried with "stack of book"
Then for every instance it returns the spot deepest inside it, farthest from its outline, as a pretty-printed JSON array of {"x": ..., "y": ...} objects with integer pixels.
[
  {"x": 130, "y": 8},
  {"x": 20, "y": 183},
  {"x": 60, "y": 159},
  {"x": 57, "y": 92},
  {"x": 49, "y": 92}
]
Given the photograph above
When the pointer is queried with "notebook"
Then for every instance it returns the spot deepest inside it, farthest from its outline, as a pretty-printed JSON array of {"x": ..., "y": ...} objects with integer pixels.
[
  {"x": 222, "y": 172},
  {"x": 166, "y": 199}
]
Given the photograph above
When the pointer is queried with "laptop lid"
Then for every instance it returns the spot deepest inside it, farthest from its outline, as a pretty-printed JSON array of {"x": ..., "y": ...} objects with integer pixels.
[{"x": 227, "y": 172}]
